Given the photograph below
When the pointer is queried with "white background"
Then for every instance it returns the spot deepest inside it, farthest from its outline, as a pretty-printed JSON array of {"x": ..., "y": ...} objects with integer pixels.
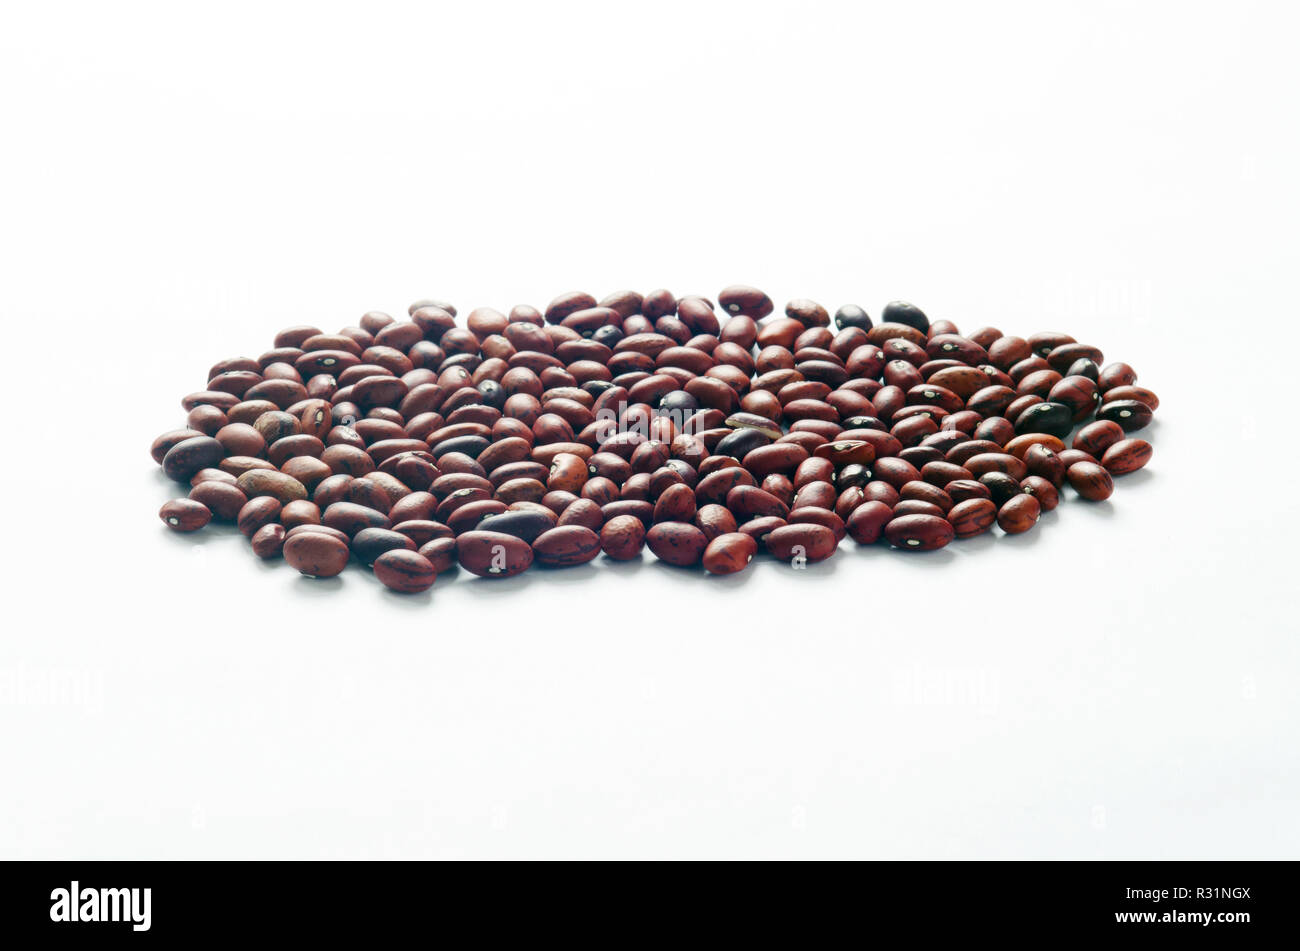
[{"x": 181, "y": 181}]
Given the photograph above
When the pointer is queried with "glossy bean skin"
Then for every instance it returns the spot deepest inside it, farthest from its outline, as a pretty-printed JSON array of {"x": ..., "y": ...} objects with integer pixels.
[
  {"x": 917, "y": 507},
  {"x": 1137, "y": 393},
  {"x": 350, "y": 518},
  {"x": 188, "y": 456},
  {"x": 963, "y": 490},
  {"x": 440, "y": 553},
  {"x": 972, "y": 517},
  {"x": 369, "y": 543},
  {"x": 184, "y": 515},
  {"x": 801, "y": 543},
  {"x": 586, "y": 426},
  {"x": 566, "y": 545},
  {"x": 818, "y": 515},
  {"x": 1131, "y": 415},
  {"x": 405, "y": 571},
  {"x": 676, "y": 543},
  {"x": 715, "y": 520},
  {"x": 257, "y": 512},
  {"x": 1055, "y": 419},
  {"x": 223, "y": 499},
  {"x": 1019, "y": 514},
  {"x": 1043, "y": 462},
  {"x": 1071, "y": 456},
  {"x": 759, "y": 528},
  {"x": 1046, "y": 492},
  {"x": 1091, "y": 481},
  {"x": 729, "y": 553},
  {"x": 919, "y": 532},
  {"x": 622, "y": 537},
  {"x": 163, "y": 444},
  {"x": 268, "y": 541},
  {"x": 525, "y": 524},
  {"x": 1127, "y": 455},
  {"x": 283, "y": 488},
  {"x": 493, "y": 554},
  {"x": 316, "y": 554},
  {"x": 866, "y": 524},
  {"x": 584, "y": 512},
  {"x": 300, "y": 512}
]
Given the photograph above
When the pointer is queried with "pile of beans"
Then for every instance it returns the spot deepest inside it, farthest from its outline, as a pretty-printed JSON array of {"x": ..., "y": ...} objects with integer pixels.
[{"x": 639, "y": 421}]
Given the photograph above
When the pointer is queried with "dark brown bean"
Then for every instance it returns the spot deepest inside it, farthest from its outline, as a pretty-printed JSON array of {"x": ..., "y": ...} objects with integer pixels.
[
  {"x": 441, "y": 553},
  {"x": 188, "y": 456},
  {"x": 588, "y": 425},
  {"x": 350, "y": 518},
  {"x": 1130, "y": 414},
  {"x": 369, "y": 543}
]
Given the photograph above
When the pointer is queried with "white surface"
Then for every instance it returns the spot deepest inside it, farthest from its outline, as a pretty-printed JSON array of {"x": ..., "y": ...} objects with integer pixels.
[{"x": 179, "y": 184}]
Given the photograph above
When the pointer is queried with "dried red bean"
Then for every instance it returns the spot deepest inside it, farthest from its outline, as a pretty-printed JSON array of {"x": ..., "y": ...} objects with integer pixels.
[
  {"x": 184, "y": 515},
  {"x": 577, "y": 429},
  {"x": 729, "y": 553},
  {"x": 1127, "y": 455},
  {"x": 1019, "y": 514},
  {"x": 677, "y": 543},
  {"x": 972, "y": 517},
  {"x": 622, "y": 537},
  {"x": 1090, "y": 480},
  {"x": 405, "y": 571},
  {"x": 316, "y": 554},
  {"x": 919, "y": 532}
]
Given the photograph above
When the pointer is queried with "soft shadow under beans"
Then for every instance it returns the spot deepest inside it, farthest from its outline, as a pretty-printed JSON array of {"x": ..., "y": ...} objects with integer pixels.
[
  {"x": 568, "y": 574},
  {"x": 731, "y": 582},
  {"x": 1030, "y": 538},
  {"x": 1024, "y": 540},
  {"x": 272, "y": 564},
  {"x": 418, "y": 601},
  {"x": 1132, "y": 479},
  {"x": 939, "y": 558},
  {"x": 626, "y": 567},
  {"x": 318, "y": 587},
  {"x": 489, "y": 587},
  {"x": 812, "y": 569},
  {"x": 214, "y": 533},
  {"x": 980, "y": 543},
  {"x": 1102, "y": 510}
]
